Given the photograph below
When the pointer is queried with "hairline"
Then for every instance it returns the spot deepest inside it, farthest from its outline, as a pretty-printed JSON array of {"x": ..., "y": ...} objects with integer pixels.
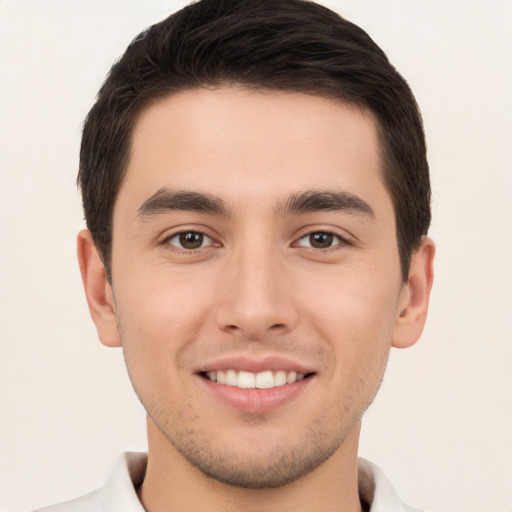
[{"x": 148, "y": 100}]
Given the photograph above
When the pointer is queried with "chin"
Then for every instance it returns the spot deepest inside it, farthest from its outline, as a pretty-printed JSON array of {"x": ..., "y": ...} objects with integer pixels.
[{"x": 260, "y": 464}]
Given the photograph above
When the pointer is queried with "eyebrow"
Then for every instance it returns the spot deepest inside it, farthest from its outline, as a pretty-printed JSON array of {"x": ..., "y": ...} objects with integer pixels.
[
  {"x": 313, "y": 201},
  {"x": 165, "y": 200}
]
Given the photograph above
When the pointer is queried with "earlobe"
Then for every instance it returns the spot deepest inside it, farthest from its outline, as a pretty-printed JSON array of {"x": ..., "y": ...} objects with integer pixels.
[
  {"x": 98, "y": 291},
  {"x": 413, "y": 304}
]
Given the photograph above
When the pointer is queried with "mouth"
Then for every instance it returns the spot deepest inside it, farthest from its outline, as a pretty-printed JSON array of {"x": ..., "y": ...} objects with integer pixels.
[
  {"x": 266, "y": 379},
  {"x": 256, "y": 385}
]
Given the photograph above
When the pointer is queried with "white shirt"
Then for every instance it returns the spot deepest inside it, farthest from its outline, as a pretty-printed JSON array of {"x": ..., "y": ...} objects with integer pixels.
[{"x": 119, "y": 494}]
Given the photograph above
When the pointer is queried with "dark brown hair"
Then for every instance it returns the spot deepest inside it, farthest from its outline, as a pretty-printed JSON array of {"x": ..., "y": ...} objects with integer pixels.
[{"x": 292, "y": 45}]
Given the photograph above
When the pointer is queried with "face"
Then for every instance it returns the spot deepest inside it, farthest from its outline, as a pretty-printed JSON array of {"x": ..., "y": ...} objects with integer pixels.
[{"x": 255, "y": 278}]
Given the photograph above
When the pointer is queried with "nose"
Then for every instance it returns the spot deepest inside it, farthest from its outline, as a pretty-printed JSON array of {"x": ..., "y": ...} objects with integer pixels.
[{"x": 255, "y": 297}]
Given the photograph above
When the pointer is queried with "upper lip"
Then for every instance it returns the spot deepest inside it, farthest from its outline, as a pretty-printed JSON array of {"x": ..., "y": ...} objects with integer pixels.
[{"x": 254, "y": 364}]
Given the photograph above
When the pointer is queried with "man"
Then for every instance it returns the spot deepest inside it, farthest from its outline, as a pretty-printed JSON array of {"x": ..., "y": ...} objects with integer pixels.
[{"x": 257, "y": 199}]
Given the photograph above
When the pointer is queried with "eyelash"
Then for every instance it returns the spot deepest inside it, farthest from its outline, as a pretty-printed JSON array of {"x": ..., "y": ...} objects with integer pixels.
[
  {"x": 167, "y": 240},
  {"x": 342, "y": 241}
]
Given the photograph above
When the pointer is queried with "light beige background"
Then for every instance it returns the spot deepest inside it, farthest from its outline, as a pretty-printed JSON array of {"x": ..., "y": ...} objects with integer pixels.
[{"x": 441, "y": 426}]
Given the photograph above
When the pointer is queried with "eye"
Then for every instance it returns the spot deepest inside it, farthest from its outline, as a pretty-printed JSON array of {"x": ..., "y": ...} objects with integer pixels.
[
  {"x": 320, "y": 240},
  {"x": 189, "y": 240}
]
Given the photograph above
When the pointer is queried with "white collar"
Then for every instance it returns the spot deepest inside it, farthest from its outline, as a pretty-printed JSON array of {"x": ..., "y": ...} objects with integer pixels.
[
  {"x": 376, "y": 489},
  {"x": 119, "y": 492}
]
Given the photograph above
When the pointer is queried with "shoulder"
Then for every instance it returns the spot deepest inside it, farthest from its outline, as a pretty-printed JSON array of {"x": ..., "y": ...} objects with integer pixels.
[
  {"x": 119, "y": 492},
  {"x": 376, "y": 490},
  {"x": 91, "y": 502}
]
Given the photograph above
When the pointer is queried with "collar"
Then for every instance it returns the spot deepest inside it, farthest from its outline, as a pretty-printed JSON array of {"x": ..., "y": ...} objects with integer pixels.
[{"x": 119, "y": 492}]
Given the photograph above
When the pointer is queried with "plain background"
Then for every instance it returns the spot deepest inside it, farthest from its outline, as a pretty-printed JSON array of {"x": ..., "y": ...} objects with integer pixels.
[{"x": 441, "y": 425}]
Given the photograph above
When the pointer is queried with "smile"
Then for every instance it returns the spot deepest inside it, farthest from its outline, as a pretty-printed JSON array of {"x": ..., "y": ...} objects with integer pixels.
[
  {"x": 256, "y": 386},
  {"x": 248, "y": 380}
]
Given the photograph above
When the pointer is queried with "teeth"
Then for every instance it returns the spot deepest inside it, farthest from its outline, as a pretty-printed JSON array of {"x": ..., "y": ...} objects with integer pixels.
[
  {"x": 231, "y": 378},
  {"x": 265, "y": 380},
  {"x": 247, "y": 380},
  {"x": 280, "y": 378},
  {"x": 291, "y": 377}
]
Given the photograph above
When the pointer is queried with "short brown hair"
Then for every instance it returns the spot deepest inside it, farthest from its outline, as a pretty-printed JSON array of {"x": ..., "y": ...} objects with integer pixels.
[{"x": 292, "y": 45}]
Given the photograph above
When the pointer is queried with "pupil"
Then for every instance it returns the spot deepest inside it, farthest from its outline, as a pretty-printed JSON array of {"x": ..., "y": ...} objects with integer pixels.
[
  {"x": 191, "y": 240},
  {"x": 320, "y": 240}
]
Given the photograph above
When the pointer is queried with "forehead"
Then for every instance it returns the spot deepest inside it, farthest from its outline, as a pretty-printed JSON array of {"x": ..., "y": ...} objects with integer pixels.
[{"x": 241, "y": 144}]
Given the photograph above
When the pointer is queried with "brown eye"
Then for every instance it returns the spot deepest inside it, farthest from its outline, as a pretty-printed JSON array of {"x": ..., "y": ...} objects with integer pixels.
[
  {"x": 320, "y": 240},
  {"x": 189, "y": 240}
]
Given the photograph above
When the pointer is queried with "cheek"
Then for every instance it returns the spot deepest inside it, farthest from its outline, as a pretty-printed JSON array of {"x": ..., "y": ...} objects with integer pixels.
[
  {"x": 158, "y": 299},
  {"x": 159, "y": 316},
  {"x": 356, "y": 316},
  {"x": 357, "y": 328},
  {"x": 354, "y": 299}
]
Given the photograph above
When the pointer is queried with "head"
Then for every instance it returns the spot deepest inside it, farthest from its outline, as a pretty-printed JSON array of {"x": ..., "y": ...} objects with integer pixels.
[
  {"x": 255, "y": 185},
  {"x": 292, "y": 45}
]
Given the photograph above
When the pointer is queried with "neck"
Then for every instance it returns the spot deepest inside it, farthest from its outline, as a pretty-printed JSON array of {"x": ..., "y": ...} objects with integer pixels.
[{"x": 172, "y": 483}]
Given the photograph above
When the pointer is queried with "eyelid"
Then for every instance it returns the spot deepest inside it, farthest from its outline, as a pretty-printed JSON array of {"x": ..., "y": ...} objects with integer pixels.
[
  {"x": 206, "y": 240},
  {"x": 170, "y": 234},
  {"x": 344, "y": 238}
]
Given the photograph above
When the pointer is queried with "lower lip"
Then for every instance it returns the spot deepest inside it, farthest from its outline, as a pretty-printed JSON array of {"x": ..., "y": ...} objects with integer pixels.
[{"x": 256, "y": 401}]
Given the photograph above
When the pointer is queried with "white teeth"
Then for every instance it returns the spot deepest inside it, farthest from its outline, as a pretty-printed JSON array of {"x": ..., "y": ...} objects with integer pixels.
[
  {"x": 248, "y": 380},
  {"x": 291, "y": 377},
  {"x": 231, "y": 378},
  {"x": 280, "y": 378},
  {"x": 265, "y": 380}
]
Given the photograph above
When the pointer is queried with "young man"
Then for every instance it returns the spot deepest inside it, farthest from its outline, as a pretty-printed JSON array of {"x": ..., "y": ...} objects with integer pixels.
[{"x": 257, "y": 198}]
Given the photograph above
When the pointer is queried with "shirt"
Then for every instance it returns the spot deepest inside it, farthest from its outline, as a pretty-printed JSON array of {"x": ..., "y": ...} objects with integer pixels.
[{"x": 119, "y": 492}]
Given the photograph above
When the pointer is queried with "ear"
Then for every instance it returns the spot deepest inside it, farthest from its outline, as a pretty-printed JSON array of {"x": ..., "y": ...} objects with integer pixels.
[
  {"x": 99, "y": 293},
  {"x": 414, "y": 298}
]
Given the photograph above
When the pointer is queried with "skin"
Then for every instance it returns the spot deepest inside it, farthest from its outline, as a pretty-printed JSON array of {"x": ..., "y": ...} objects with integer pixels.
[{"x": 254, "y": 288}]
